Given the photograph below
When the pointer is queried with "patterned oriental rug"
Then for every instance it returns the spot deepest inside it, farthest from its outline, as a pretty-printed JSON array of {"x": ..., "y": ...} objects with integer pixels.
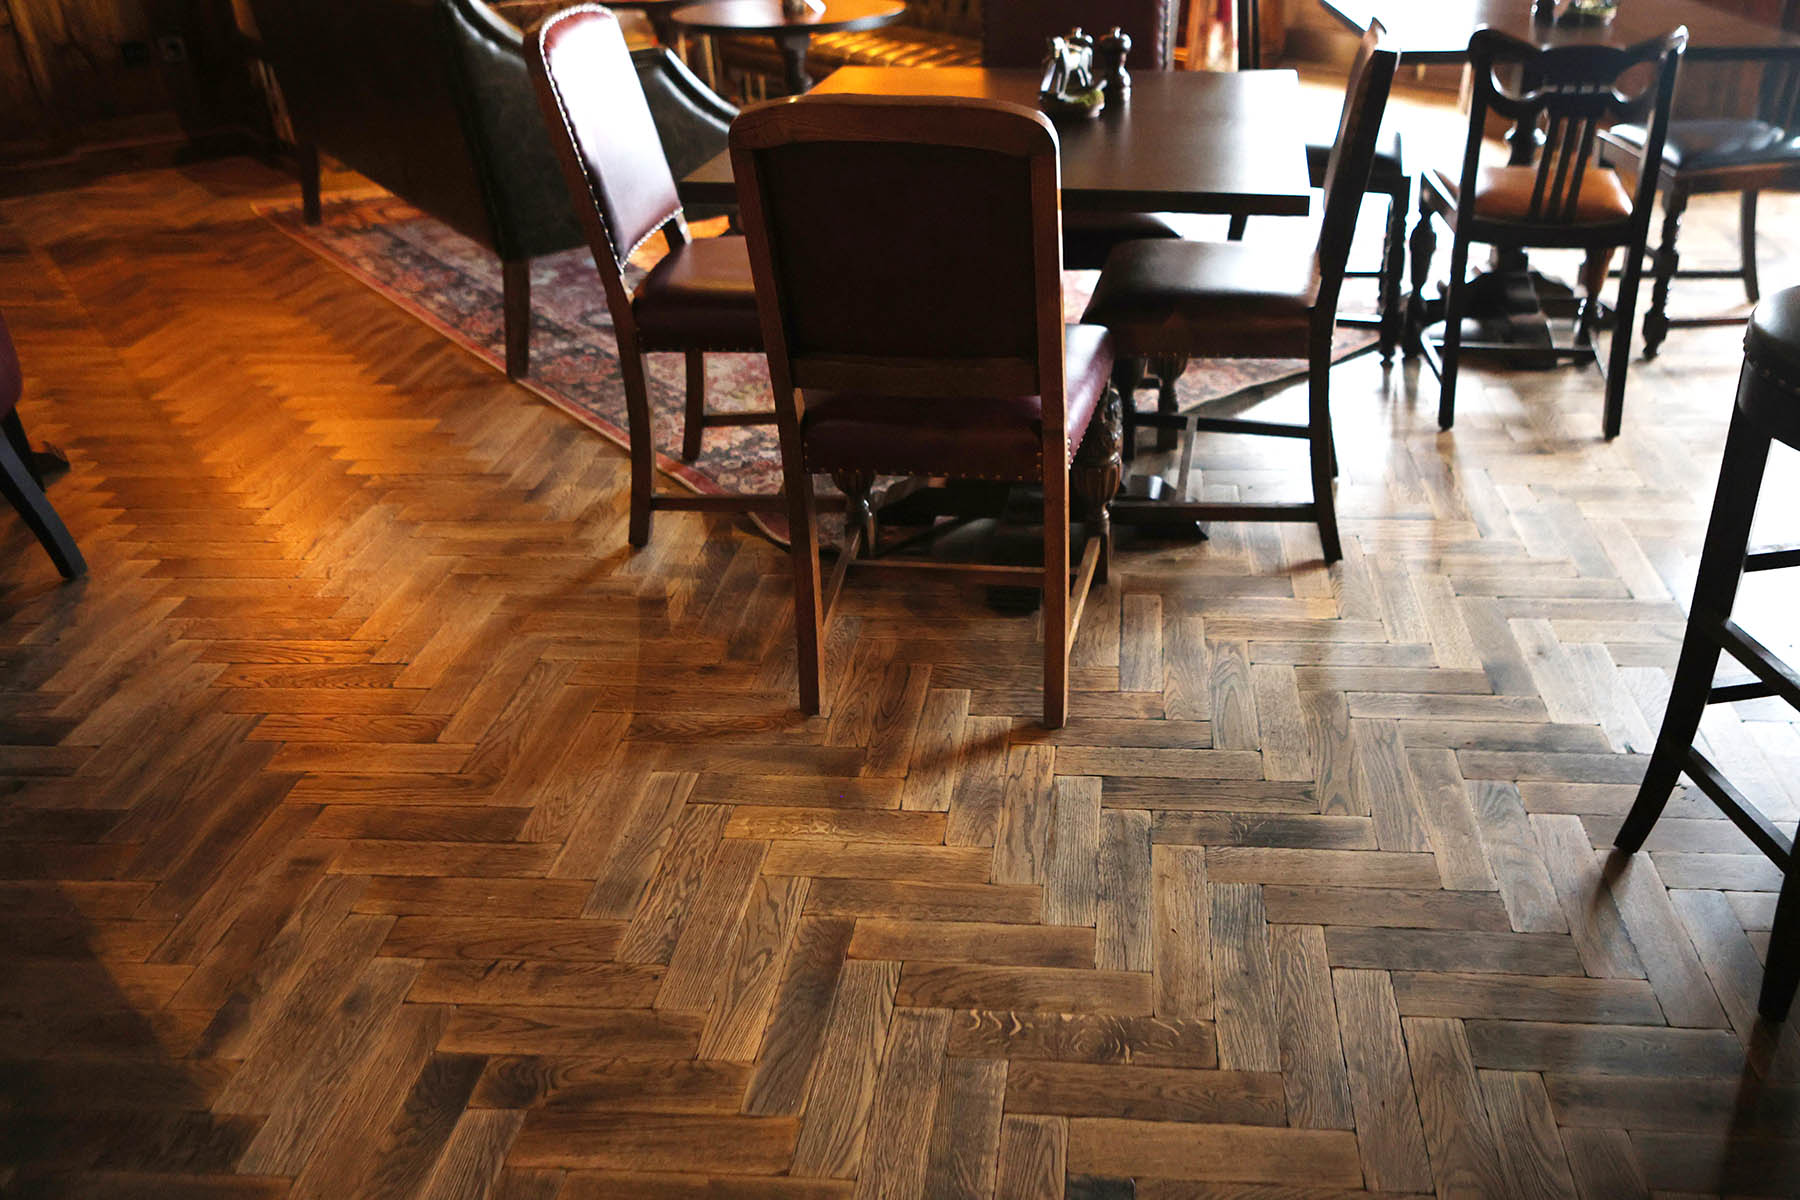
[{"x": 453, "y": 285}]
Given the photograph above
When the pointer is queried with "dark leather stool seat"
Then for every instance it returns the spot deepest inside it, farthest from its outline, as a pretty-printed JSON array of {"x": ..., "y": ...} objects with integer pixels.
[
  {"x": 1716, "y": 142},
  {"x": 1768, "y": 411}
]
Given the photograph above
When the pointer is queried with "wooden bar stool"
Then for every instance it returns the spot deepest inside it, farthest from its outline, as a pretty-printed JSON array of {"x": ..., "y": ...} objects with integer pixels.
[{"x": 1768, "y": 410}]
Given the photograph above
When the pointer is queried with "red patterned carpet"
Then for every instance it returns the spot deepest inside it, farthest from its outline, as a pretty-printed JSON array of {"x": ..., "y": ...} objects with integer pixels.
[{"x": 454, "y": 285}]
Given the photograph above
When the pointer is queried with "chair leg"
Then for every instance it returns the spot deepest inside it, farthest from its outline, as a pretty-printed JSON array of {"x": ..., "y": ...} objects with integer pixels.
[
  {"x": 1169, "y": 369},
  {"x": 1127, "y": 374},
  {"x": 642, "y": 432},
  {"x": 1056, "y": 594},
  {"x": 1656, "y": 318},
  {"x": 515, "y": 276},
  {"x": 1422, "y": 246},
  {"x": 1095, "y": 476},
  {"x": 695, "y": 424},
  {"x": 311, "y": 211},
  {"x": 20, "y": 486},
  {"x": 1235, "y": 230},
  {"x": 1619, "y": 357},
  {"x": 1452, "y": 350},
  {"x": 1393, "y": 265},
  {"x": 14, "y": 430},
  {"x": 1323, "y": 454},
  {"x": 1782, "y": 974},
  {"x": 809, "y": 614},
  {"x": 1747, "y": 244},
  {"x": 1715, "y": 588}
]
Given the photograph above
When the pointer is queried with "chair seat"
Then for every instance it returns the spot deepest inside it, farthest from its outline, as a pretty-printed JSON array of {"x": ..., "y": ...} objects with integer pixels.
[
  {"x": 1718, "y": 142},
  {"x": 1504, "y": 194},
  {"x": 1089, "y": 237},
  {"x": 987, "y": 437},
  {"x": 1207, "y": 299},
  {"x": 700, "y": 297},
  {"x": 1387, "y": 172}
]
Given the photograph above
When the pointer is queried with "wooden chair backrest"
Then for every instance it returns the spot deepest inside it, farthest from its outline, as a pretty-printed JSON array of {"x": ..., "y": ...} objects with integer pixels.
[
  {"x": 906, "y": 246},
  {"x": 606, "y": 140},
  {"x": 1353, "y": 157},
  {"x": 1567, "y": 93}
]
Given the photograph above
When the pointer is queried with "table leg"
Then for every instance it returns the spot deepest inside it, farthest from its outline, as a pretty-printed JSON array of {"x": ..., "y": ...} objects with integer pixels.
[{"x": 793, "y": 46}]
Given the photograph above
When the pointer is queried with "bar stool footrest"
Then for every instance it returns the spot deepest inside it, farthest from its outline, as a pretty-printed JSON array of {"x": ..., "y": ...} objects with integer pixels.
[
  {"x": 1746, "y": 816},
  {"x": 1781, "y": 679},
  {"x": 1774, "y": 558}
]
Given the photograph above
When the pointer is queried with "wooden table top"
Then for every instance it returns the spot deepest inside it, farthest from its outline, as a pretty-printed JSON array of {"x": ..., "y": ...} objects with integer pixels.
[
  {"x": 1439, "y": 30},
  {"x": 765, "y": 16},
  {"x": 1187, "y": 141}
]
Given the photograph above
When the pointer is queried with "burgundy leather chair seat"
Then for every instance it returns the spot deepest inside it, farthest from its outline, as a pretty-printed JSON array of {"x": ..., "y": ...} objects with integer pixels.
[
  {"x": 1717, "y": 142},
  {"x": 985, "y": 437},
  {"x": 700, "y": 295},
  {"x": 1206, "y": 299}
]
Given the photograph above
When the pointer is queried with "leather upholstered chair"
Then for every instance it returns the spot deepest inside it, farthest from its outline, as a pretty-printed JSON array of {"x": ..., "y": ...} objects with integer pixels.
[
  {"x": 1013, "y": 34},
  {"x": 429, "y": 99},
  {"x": 940, "y": 351},
  {"x": 1565, "y": 199},
  {"x": 691, "y": 119},
  {"x": 698, "y": 298},
  {"x": 1235, "y": 300},
  {"x": 19, "y": 480},
  {"x": 1388, "y": 177},
  {"x": 1746, "y": 155}
]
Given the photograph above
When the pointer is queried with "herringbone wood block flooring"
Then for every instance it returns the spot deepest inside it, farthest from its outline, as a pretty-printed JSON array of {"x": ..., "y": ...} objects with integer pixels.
[{"x": 374, "y": 823}]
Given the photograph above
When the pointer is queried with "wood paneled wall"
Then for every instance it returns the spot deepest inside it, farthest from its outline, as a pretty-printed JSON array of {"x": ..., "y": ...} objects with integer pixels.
[{"x": 85, "y": 74}]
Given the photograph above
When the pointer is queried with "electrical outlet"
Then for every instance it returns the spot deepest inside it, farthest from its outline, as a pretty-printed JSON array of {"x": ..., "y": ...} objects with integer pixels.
[{"x": 172, "y": 47}]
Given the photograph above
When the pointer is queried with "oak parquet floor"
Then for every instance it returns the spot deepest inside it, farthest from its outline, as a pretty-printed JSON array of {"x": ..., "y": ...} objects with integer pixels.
[{"x": 374, "y": 823}]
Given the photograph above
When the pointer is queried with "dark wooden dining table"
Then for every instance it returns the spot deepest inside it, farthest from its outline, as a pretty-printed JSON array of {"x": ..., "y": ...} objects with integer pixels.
[
  {"x": 1429, "y": 31},
  {"x": 1186, "y": 141},
  {"x": 792, "y": 34}
]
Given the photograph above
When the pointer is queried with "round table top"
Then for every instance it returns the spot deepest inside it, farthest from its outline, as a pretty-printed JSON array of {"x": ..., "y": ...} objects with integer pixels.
[{"x": 765, "y": 16}]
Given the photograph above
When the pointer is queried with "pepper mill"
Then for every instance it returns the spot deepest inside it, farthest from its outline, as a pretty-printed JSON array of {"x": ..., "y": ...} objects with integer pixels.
[{"x": 1114, "y": 79}]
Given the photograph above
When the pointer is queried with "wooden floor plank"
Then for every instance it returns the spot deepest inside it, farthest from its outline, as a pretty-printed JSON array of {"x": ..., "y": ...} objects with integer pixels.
[{"x": 374, "y": 821}]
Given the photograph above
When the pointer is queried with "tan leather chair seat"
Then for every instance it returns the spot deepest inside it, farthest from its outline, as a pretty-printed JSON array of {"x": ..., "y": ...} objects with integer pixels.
[{"x": 1504, "y": 194}]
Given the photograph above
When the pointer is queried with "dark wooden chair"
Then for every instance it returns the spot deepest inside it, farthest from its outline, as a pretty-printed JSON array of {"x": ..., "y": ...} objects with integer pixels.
[
  {"x": 909, "y": 274},
  {"x": 19, "y": 479},
  {"x": 1232, "y": 300},
  {"x": 1768, "y": 411},
  {"x": 1563, "y": 200},
  {"x": 1747, "y": 155},
  {"x": 1388, "y": 177},
  {"x": 698, "y": 298}
]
